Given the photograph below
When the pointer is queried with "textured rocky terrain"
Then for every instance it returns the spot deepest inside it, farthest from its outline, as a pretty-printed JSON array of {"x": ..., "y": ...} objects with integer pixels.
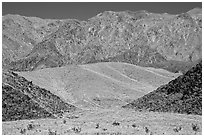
[
  {"x": 182, "y": 95},
  {"x": 73, "y": 77},
  {"x": 23, "y": 100},
  {"x": 141, "y": 38}
]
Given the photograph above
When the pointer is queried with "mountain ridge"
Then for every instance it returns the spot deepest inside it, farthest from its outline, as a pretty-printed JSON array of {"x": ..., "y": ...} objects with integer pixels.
[{"x": 144, "y": 38}]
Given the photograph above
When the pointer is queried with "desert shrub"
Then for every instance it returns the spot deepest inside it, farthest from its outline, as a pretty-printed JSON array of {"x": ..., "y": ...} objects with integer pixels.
[
  {"x": 134, "y": 125},
  {"x": 177, "y": 129},
  {"x": 30, "y": 126},
  {"x": 23, "y": 131},
  {"x": 195, "y": 127},
  {"x": 76, "y": 129},
  {"x": 97, "y": 125},
  {"x": 115, "y": 123},
  {"x": 116, "y": 133},
  {"x": 50, "y": 132},
  {"x": 64, "y": 121},
  {"x": 146, "y": 130}
]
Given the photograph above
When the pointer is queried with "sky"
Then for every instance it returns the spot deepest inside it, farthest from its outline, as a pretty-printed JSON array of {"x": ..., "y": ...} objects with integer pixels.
[{"x": 86, "y": 10}]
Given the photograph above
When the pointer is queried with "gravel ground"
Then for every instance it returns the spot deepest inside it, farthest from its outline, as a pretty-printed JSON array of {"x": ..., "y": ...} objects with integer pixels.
[{"x": 110, "y": 122}]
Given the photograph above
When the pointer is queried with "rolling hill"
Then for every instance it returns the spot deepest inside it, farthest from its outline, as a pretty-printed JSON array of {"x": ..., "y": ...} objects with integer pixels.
[{"x": 99, "y": 85}]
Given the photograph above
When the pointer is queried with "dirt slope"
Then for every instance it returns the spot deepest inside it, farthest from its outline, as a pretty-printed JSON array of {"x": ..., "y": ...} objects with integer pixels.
[{"x": 100, "y": 85}]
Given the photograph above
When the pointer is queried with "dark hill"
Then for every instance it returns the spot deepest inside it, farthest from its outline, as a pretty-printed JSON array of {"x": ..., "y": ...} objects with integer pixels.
[
  {"x": 182, "y": 95},
  {"x": 23, "y": 100}
]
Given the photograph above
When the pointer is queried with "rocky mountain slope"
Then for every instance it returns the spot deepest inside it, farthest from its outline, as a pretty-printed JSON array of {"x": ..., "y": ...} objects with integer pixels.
[
  {"x": 182, "y": 95},
  {"x": 20, "y": 34},
  {"x": 23, "y": 100},
  {"x": 141, "y": 38}
]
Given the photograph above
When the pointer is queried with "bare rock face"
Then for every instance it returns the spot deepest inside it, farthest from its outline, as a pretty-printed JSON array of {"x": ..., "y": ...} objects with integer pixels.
[{"x": 142, "y": 38}]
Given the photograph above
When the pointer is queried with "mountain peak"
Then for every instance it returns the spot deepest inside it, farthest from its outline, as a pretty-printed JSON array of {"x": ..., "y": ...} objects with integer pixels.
[{"x": 195, "y": 11}]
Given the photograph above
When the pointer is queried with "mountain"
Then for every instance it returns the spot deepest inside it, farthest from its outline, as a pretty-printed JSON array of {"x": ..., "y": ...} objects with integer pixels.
[
  {"x": 23, "y": 100},
  {"x": 99, "y": 85},
  {"x": 141, "y": 38},
  {"x": 182, "y": 95},
  {"x": 20, "y": 34}
]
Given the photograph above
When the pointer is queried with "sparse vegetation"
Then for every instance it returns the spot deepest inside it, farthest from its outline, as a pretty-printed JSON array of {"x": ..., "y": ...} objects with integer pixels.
[
  {"x": 108, "y": 133},
  {"x": 195, "y": 127},
  {"x": 64, "y": 121},
  {"x": 23, "y": 131},
  {"x": 141, "y": 123},
  {"x": 177, "y": 129},
  {"x": 97, "y": 125},
  {"x": 182, "y": 95},
  {"x": 115, "y": 133},
  {"x": 50, "y": 132},
  {"x": 134, "y": 125},
  {"x": 173, "y": 43},
  {"x": 115, "y": 123},
  {"x": 146, "y": 130},
  {"x": 30, "y": 126},
  {"x": 72, "y": 117},
  {"x": 23, "y": 100},
  {"x": 76, "y": 129}
]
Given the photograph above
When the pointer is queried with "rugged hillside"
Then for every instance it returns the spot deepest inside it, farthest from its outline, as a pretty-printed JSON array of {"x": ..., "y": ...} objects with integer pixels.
[
  {"x": 182, "y": 95},
  {"x": 20, "y": 34},
  {"x": 142, "y": 38},
  {"x": 23, "y": 100},
  {"x": 99, "y": 85}
]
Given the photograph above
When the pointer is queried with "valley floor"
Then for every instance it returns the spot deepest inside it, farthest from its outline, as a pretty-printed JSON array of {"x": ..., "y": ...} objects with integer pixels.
[{"x": 104, "y": 121}]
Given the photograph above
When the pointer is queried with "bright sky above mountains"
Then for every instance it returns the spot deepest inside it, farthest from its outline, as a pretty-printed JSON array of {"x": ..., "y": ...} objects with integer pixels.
[{"x": 86, "y": 10}]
